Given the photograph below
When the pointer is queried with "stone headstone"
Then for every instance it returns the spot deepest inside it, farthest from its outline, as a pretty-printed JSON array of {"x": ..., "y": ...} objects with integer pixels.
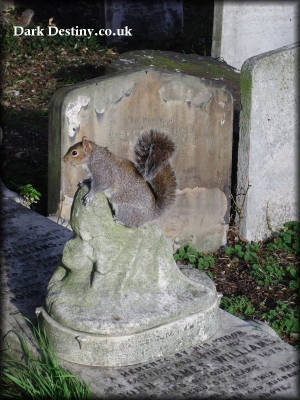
[
  {"x": 269, "y": 142},
  {"x": 112, "y": 111},
  {"x": 155, "y": 21},
  {"x": 245, "y": 29},
  {"x": 244, "y": 359},
  {"x": 118, "y": 298},
  {"x": 223, "y": 75}
]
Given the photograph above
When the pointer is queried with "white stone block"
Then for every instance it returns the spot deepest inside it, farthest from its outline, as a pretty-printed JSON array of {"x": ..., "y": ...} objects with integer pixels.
[
  {"x": 245, "y": 29},
  {"x": 269, "y": 143}
]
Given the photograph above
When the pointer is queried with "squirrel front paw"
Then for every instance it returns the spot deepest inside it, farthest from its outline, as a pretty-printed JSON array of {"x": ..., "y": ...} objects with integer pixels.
[
  {"x": 86, "y": 199},
  {"x": 115, "y": 219}
]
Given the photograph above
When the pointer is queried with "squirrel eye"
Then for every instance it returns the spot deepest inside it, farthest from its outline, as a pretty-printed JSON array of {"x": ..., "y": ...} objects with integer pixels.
[{"x": 74, "y": 153}]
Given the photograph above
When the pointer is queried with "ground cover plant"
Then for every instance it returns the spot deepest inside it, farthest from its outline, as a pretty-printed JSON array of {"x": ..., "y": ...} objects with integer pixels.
[
  {"x": 39, "y": 378},
  {"x": 258, "y": 280}
]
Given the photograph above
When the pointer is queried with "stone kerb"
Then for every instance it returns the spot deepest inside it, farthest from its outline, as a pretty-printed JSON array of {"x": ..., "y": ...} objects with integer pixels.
[
  {"x": 114, "y": 110},
  {"x": 268, "y": 144}
]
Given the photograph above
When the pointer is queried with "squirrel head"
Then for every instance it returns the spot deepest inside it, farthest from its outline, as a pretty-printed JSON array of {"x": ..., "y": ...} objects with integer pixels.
[{"x": 79, "y": 153}]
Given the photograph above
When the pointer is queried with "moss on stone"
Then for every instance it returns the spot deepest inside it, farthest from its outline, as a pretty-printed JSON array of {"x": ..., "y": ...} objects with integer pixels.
[
  {"x": 206, "y": 69},
  {"x": 246, "y": 91},
  {"x": 246, "y": 85}
]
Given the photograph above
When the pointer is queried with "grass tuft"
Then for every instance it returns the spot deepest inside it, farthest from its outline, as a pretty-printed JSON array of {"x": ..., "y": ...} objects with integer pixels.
[{"x": 41, "y": 378}]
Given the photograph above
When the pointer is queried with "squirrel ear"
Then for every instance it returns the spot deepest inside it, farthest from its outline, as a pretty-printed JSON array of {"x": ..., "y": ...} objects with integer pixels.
[{"x": 86, "y": 145}]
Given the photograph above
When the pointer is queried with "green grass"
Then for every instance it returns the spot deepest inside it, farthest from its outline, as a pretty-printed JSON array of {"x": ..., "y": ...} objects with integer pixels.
[{"x": 41, "y": 378}]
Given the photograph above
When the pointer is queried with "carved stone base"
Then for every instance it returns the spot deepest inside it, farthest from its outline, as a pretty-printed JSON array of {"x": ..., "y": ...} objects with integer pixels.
[
  {"x": 149, "y": 345},
  {"x": 118, "y": 298}
]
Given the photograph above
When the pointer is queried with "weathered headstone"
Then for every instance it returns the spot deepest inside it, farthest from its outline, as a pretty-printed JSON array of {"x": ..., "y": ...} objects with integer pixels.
[
  {"x": 113, "y": 111},
  {"x": 117, "y": 297},
  {"x": 223, "y": 75},
  {"x": 245, "y": 29},
  {"x": 244, "y": 360},
  {"x": 269, "y": 142},
  {"x": 158, "y": 20}
]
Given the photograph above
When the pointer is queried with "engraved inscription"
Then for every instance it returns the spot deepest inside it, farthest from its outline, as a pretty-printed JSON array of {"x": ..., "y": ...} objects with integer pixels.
[{"x": 235, "y": 366}]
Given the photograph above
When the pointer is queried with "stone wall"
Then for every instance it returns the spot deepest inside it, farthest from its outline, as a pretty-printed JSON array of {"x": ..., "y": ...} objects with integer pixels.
[
  {"x": 114, "y": 110},
  {"x": 269, "y": 142},
  {"x": 245, "y": 29}
]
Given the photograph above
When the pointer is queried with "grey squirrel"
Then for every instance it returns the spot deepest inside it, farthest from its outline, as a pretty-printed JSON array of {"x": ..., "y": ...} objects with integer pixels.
[{"x": 138, "y": 192}]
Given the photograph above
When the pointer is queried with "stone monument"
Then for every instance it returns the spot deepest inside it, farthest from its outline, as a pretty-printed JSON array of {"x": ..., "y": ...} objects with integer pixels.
[
  {"x": 115, "y": 109},
  {"x": 117, "y": 298}
]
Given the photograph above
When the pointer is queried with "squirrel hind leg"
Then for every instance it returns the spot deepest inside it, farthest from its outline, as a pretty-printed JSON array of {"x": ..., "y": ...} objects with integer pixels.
[{"x": 131, "y": 216}]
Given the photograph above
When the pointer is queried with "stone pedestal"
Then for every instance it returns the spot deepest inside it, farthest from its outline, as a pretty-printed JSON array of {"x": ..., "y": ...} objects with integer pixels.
[{"x": 118, "y": 298}]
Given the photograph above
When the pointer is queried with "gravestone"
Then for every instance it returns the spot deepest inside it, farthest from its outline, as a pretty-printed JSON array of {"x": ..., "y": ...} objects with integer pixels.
[
  {"x": 112, "y": 111},
  {"x": 203, "y": 67},
  {"x": 155, "y": 21},
  {"x": 269, "y": 142},
  {"x": 245, "y": 359},
  {"x": 245, "y": 29},
  {"x": 117, "y": 297}
]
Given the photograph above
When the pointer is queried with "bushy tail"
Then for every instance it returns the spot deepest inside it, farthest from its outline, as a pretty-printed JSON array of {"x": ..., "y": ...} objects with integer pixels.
[{"x": 152, "y": 153}]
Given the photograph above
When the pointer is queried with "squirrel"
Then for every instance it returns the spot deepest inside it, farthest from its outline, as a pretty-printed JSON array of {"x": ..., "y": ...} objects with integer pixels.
[{"x": 137, "y": 192}]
